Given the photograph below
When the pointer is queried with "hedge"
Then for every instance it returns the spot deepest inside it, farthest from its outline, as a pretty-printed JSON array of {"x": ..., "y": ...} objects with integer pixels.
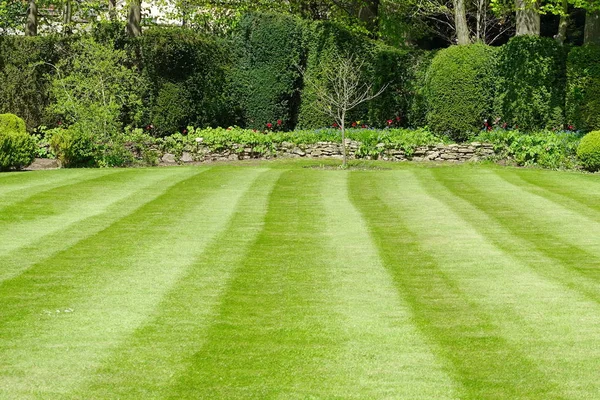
[
  {"x": 186, "y": 74},
  {"x": 531, "y": 85},
  {"x": 583, "y": 88},
  {"x": 266, "y": 79},
  {"x": 459, "y": 89}
]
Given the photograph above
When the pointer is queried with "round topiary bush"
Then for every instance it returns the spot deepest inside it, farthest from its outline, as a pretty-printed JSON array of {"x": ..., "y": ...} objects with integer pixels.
[
  {"x": 17, "y": 148},
  {"x": 459, "y": 90},
  {"x": 589, "y": 151}
]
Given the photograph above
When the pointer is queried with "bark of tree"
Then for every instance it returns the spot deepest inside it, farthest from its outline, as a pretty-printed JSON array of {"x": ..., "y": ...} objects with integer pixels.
[
  {"x": 528, "y": 17},
  {"x": 112, "y": 9},
  {"x": 563, "y": 23},
  {"x": 31, "y": 24},
  {"x": 460, "y": 22},
  {"x": 68, "y": 17},
  {"x": 369, "y": 14},
  {"x": 134, "y": 20},
  {"x": 591, "y": 33}
]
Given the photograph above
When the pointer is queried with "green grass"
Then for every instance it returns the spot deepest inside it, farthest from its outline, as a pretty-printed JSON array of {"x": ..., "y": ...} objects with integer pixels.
[{"x": 274, "y": 281}]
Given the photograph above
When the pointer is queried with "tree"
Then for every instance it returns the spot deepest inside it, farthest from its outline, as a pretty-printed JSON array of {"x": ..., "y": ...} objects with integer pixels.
[
  {"x": 31, "y": 24},
  {"x": 340, "y": 89},
  {"x": 134, "y": 19}
]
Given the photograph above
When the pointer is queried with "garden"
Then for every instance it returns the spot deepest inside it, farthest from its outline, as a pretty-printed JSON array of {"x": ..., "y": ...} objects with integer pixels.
[{"x": 307, "y": 199}]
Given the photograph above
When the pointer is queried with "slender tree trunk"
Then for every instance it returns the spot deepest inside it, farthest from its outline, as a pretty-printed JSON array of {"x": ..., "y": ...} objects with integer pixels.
[
  {"x": 591, "y": 33},
  {"x": 460, "y": 22},
  {"x": 31, "y": 24},
  {"x": 369, "y": 14},
  {"x": 134, "y": 20},
  {"x": 563, "y": 23},
  {"x": 68, "y": 17},
  {"x": 112, "y": 10},
  {"x": 528, "y": 17},
  {"x": 344, "y": 154}
]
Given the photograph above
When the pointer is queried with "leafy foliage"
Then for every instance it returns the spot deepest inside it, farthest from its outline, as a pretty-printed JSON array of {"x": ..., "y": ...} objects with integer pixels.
[
  {"x": 543, "y": 148},
  {"x": 459, "y": 89},
  {"x": 583, "y": 88},
  {"x": 589, "y": 151},
  {"x": 531, "y": 83}
]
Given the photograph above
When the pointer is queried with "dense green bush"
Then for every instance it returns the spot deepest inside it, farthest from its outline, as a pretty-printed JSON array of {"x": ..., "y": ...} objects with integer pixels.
[
  {"x": 531, "y": 85},
  {"x": 187, "y": 76},
  {"x": 547, "y": 149},
  {"x": 459, "y": 89},
  {"x": 266, "y": 77},
  {"x": 17, "y": 148},
  {"x": 583, "y": 88},
  {"x": 589, "y": 151}
]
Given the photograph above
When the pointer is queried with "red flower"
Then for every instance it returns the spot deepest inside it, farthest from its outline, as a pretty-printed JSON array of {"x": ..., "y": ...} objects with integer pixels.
[
  {"x": 335, "y": 125},
  {"x": 571, "y": 128},
  {"x": 389, "y": 121},
  {"x": 363, "y": 126},
  {"x": 398, "y": 119},
  {"x": 354, "y": 124},
  {"x": 59, "y": 122},
  {"x": 279, "y": 122},
  {"x": 269, "y": 125}
]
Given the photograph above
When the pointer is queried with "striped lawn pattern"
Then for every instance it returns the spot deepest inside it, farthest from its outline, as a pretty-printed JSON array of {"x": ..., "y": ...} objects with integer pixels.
[{"x": 279, "y": 282}]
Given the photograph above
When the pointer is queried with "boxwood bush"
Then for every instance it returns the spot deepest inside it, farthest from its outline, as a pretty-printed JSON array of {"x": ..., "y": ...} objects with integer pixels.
[
  {"x": 17, "y": 147},
  {"x": 459, "y": 89},
  {"x": 531, "y": 85},
  {"x": 589, "y": 151},
  {"x": 583, "y": 88}
]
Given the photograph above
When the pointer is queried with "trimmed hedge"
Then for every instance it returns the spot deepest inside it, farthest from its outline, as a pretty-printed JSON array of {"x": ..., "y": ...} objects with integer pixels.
[
  {"x": 589, "y": 151},
  {"x": 531, "y": 91},
  {"x": 459, "y": 89},
  {"x": 186, "y": 74},
  {"x": 266, "y": 78},
  {"x": 17, "y": 147},
  {"x": 583, "y": 88}
]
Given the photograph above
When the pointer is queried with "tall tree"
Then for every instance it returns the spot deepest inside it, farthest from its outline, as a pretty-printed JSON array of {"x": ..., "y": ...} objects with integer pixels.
[
  {"x": 134, "y": 19},
  {"x": 31, "y": 24},
  {"x": 528, "y": 17},
  {"x": 460, "y": 22},
  {"x": 591, "y": 33}
]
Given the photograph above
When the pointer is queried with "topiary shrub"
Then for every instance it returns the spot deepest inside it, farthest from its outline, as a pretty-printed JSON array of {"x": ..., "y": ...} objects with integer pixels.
[
  {"x": 583, "y": 88},
  {"x": 531, "y": 85},
  {"x": 17, "y": 148},
  {"x": 588, "y": 151},
  {"x": 459, "y": 90}
]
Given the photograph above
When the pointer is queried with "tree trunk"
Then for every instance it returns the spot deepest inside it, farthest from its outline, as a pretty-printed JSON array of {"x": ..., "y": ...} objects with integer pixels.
[
  {"x": 112, "y": 10},
  {"x": 563, "y": 23},
  {"x": 460, "y": 22},
  {"x": 68, "y": 17},
  {"x": 591, "y": 33},
  {"x": 31, "y": 24},
  {"x": 528, "y": 17},
  {"x": 134, "y": 20},
  {"x": 344, "y": 155},
  {"x": 369, "y": 14}
]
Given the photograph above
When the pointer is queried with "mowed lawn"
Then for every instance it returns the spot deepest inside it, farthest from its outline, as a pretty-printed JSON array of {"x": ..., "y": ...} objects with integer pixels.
[{"x": 275, "y": 281}]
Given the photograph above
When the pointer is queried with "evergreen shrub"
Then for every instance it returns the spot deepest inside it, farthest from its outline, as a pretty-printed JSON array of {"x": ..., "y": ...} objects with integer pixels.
[
  {"x": 531, "y": 85},
  {"x": 588, "y": 151},
  {"x": 459, "y": 89},
  {"x": 583, "y": 88},
  {"x": 17, "y": 147}
]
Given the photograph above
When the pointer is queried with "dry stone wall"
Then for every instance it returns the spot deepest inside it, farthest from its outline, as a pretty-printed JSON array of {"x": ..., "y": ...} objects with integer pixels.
[{"x": 450, "y": 153}]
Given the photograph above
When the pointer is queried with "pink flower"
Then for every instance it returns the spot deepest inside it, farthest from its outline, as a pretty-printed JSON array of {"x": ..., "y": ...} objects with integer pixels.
[
  {"x": 389, "y": 121},
  {"x": 279, "y": 122},
  {"x": 269, "y": 125},
  {"x": 354, "y": 124}
]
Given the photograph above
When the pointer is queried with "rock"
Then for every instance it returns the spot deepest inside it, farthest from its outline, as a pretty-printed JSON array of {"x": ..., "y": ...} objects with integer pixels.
[
  {"x": 448, "y": 156},
  {"x": 168, "y": 158},
  {"x": 186, "y": 157},
  {"x": 434, "y": 155},
  {"x": 43, "y": 163},
  {"x": 299, "y": 152}
]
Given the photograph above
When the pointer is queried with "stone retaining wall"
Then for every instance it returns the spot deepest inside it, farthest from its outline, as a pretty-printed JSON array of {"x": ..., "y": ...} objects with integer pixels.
[{"x": 450, "y": 153}]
